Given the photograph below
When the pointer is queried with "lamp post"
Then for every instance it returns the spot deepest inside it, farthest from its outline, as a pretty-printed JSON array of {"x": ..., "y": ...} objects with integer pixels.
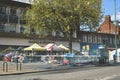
[{"x": 117, "y": 56}]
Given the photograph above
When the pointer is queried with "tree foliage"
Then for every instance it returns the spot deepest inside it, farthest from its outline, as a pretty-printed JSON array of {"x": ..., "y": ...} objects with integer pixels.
[{"x": 65, "y": 16}]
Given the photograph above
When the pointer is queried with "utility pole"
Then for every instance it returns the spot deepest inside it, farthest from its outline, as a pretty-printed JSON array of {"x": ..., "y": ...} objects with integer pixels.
[{"x": 116, "y": 53}]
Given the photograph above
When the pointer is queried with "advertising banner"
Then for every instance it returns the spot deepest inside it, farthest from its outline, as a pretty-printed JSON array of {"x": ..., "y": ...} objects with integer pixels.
[{"x": 89, "y": 48}]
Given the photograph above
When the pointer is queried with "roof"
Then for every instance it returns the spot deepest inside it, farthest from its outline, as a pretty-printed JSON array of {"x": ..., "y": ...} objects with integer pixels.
[
  {"x": 107, "y": 26},
  {"x": 14, "y": 3}
]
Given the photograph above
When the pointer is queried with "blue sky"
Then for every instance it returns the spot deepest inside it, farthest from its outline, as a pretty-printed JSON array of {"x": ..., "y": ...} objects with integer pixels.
[{"x": 108, "y": 8}]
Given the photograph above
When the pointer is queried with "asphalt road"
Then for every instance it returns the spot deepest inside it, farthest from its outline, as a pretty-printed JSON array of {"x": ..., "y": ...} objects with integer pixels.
[{"x": 94, "y": 73}]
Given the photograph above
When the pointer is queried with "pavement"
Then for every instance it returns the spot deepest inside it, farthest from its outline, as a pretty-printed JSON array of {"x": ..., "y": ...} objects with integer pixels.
[
  {"x": 14, "y": 68},
  {"x": 37, "y": 67}
]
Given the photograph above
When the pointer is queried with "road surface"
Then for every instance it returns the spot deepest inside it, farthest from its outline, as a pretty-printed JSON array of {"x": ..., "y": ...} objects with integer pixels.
[{"x": 94, "y": 73}]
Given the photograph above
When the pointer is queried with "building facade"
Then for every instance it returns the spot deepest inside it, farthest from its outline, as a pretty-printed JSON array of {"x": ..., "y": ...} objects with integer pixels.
[
  {"x": 12, "y": 29},
  {"x": 108, "y": 27},
  {"x": 10, "y": 16}
]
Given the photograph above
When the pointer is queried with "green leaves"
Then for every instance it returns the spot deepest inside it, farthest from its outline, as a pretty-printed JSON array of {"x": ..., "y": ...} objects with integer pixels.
[
  {"x": 66, "y": 16},
  {"x": 57, "y": 15}
]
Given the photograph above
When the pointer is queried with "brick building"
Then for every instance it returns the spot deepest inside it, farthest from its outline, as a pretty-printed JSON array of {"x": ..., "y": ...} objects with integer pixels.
[{"x": 108, "y": 27}]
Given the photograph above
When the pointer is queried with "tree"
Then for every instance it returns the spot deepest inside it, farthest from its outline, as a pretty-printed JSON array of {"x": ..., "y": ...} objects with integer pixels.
[{"x": 66, "y": 16}]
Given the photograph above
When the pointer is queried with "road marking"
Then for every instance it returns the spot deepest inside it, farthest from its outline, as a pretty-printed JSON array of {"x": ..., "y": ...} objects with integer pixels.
[{"x": 110, "y": 77}]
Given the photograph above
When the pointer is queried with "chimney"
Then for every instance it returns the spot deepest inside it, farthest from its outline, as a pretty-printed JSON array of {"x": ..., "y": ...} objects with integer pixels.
[{"x": 108, "y": 18}]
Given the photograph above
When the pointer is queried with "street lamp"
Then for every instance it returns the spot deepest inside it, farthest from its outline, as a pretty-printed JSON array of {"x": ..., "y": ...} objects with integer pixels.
[{"x": 117, "y": 56}]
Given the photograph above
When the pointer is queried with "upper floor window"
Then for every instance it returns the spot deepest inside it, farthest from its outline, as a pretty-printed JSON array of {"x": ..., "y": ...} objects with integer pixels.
[
  {"x": 111, "y": 41},
  {"x": 89, "y": 38},
  {"x": 118, "y": 41},
  {"x": 22, "y": 13},
  {"x": 13, "y": 19},
  {"x": 13, "y": 11},
  {"x": 94, "y": 39},
  {"x": 2, "y": 9},
  {"x": 85, "y": 38},
  {"x": 75, "y": 34},
  {"x": 3, "y": 18},
  {"x": 18, "y": 11},
  {"x": 99, "y": 39},
  {"x": 58, "y": 33}
]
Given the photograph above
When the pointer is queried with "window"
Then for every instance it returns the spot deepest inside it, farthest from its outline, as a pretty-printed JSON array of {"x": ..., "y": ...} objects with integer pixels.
[
  {"x": 18, "y": 11},
  {"x": 2, "y": 9},
  {"x": 94, "y": 39},
  {"x": 89, "y": 38},
  {"x": 1, "y": 27},
  {"x": 13, "y": 19},
  {"x": 58, "y": 33},
  {"x": 22, "y": 29},
  {"x": 12, "y": 27},
  {"x": 85, "y": 38},
  {"x": 118, "y": 41},
  {"x": 111, "y": 41},
  {"x": 3, "y": 18},
  {"x": 99, "y": 39},
  {"x": 32, "y": 31},
  {"x": 13, "y": 11}
]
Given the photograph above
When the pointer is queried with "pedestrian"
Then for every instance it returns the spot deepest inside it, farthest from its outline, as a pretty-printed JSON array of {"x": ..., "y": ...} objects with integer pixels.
[{"x": 114, "y": 58}]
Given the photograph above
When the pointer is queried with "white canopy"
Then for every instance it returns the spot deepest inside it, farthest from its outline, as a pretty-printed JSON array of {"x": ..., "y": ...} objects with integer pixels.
[
  {"x": 52, "y": 47},
  {"x": 112, "y": 53},
  {"x": 63, "y": 47}
]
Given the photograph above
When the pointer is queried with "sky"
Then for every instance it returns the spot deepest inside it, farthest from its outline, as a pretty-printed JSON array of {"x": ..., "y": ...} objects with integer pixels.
[{"x": 108, "y": 8}]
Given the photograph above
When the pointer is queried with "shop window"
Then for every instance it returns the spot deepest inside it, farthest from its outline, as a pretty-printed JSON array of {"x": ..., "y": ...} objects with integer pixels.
[{"x": 22, "y": 29}]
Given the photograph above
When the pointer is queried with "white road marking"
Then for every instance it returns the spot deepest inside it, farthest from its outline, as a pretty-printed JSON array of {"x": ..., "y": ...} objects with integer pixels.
[{"x": 110, "y": 77}]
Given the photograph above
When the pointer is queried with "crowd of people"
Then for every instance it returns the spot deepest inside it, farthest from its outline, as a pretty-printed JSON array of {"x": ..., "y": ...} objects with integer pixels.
[{"x": 13, "y": 57}]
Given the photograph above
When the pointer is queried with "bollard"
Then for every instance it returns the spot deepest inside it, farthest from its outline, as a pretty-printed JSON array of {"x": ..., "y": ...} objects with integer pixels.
[
  {"x": 19, "y": 66},
  {"x": 5, "y": 67}
]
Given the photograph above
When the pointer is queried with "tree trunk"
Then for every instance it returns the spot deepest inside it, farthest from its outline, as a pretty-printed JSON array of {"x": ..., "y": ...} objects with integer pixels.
[
  {"x": 70, "y": 45},
  {"x": 70, "y": 41}
]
